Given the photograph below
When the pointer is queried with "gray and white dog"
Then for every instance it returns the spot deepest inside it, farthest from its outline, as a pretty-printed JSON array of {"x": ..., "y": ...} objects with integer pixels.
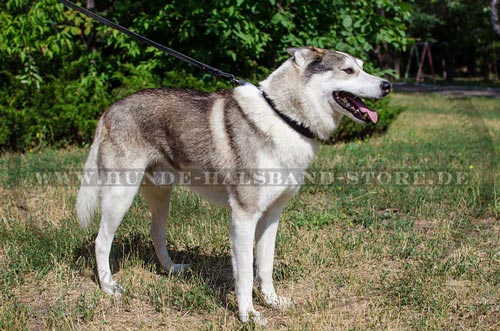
[{"x": 275, "y": 126}]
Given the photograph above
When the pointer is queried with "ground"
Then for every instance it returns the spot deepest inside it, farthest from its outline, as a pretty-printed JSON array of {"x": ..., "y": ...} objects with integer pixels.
[
  {"x": 405, "y": 238},
  {"x": 459, "y": 91}
]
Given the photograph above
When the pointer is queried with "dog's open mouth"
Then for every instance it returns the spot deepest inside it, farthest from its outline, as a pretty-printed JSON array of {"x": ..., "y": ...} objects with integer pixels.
[{"x": 355, "y": 106}]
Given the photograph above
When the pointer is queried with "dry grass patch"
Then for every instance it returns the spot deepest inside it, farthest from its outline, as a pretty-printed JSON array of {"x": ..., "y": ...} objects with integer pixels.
[{"x": 49, "y": 205}]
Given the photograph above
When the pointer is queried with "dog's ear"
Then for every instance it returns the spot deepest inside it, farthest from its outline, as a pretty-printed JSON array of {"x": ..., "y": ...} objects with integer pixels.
[
  {"x": 359, "y": 63},
  {"x": 305, "y": 55}
]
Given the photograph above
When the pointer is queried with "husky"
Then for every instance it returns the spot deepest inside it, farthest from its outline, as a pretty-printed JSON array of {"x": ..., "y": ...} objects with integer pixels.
[{"x": 278, "y": 125}]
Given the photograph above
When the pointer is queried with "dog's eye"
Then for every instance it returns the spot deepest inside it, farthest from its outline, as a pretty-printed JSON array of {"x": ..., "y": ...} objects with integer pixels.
[{"x": 348, "y": 71}]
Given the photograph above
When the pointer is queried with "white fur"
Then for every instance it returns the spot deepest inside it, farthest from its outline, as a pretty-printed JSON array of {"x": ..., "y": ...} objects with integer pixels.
[
  {"x": 88, "y": 195},
  {"x": 292, "y": 151}
]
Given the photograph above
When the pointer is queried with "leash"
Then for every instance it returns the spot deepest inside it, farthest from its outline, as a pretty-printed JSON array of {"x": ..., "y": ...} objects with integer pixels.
[
  {"x": 306, "y": 132},
  {"x": 147, "y": 41}
]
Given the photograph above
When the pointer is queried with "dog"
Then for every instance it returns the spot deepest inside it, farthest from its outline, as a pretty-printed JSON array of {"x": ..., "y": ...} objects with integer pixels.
[{"x": 277, "y": 125}]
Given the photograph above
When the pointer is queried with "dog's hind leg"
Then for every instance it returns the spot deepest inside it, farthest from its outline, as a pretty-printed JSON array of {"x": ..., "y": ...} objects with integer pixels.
[
  {"x": 116, "y": 200},
  {"x": 158, "y": 199}
]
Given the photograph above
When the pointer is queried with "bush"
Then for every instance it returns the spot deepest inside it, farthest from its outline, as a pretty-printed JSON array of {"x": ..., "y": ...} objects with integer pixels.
[{"x": 60, "y": 70}]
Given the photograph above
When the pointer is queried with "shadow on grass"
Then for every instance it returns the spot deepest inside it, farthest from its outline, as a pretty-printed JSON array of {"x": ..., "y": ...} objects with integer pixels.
[{"x": 213, "y": 271}]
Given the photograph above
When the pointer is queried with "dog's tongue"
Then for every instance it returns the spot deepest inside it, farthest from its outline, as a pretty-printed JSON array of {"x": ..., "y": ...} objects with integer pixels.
[{"x": 364, "y": 108}]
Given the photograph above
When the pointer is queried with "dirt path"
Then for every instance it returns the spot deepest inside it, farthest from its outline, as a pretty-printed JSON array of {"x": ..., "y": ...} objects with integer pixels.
[{"x": 452, "y": 90}]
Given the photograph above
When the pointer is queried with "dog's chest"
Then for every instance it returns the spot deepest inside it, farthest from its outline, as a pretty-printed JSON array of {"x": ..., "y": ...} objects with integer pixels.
[{"x": 292, "y": 154}]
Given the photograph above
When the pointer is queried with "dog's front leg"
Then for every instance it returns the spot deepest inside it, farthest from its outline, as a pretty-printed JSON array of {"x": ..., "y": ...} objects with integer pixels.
[
  {"x": 267, "y": 229},
  {"x": 242, "y": 237}
]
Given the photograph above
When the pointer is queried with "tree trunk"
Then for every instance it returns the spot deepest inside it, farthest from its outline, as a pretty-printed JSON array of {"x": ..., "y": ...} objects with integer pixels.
[
  {"x": 498, "y": 69},
  {"x": 494, "y": 16},
  {"x": 486, "y": 63},
  {"x": 471, "y": 62},
  {"x": 450, "y": 68},
  {"x": 397, "y": 66}
]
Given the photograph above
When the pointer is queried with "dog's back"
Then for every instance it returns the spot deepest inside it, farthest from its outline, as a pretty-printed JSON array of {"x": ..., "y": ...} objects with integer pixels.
[{"x": 168, "y": 129}]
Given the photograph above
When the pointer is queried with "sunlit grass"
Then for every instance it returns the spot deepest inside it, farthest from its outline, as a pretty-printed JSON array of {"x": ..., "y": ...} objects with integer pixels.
[{"x": 351, "y": 254}]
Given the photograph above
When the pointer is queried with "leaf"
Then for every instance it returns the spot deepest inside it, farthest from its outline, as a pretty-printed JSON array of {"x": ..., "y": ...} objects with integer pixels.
[
  {"x": 55, "y": 48},
  {"x": 75, "y": 30},
  {"x": 347, "y": 22}
]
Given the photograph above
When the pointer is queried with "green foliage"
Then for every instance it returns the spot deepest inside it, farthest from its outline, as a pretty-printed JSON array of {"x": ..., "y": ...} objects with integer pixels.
[{"x": 60, "y": 70}]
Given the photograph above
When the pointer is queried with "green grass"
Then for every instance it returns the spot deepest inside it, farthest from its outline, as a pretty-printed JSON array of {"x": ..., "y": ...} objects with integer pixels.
[{"x": 352, "y": 255}]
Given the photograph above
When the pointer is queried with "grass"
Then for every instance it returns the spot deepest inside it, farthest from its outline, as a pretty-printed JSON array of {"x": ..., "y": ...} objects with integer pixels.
[{"x": 358, "y": 254}]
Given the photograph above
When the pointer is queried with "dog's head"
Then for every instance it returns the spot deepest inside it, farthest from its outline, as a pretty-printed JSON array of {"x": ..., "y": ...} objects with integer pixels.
[{"x": 340, "y": 79}]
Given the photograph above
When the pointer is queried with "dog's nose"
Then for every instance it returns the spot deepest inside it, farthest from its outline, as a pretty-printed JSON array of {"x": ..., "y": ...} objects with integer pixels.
[{"x": 386, "y": 87}]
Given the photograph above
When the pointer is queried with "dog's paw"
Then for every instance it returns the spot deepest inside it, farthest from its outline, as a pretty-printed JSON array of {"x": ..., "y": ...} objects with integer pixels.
[
  {"x": 255, "y": 317},
  {"x": 179, "y": 268},
  {"x": 278, "y": 302},
  {"x": 113, "y": 288}
]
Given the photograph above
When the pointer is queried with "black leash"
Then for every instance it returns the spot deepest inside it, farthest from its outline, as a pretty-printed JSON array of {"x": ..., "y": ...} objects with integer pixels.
[
  {"x": 169, "y": 51},
  {"x": 214, "y": 71}
]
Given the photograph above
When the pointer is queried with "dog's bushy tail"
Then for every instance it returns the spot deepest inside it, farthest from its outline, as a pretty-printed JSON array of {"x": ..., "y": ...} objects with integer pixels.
[{"x": 88, "y": 195}]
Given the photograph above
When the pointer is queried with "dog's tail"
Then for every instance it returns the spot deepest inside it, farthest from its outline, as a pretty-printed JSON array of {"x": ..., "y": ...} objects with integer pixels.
[{"x": 88, "y": 195}]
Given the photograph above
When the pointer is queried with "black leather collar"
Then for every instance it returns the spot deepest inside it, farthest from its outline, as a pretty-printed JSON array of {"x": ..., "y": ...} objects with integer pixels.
[{"x": 300, "y": 128}]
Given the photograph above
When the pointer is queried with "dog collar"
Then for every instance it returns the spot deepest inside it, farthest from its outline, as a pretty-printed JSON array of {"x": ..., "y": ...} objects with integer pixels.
[{"x": 299, "y": 127}]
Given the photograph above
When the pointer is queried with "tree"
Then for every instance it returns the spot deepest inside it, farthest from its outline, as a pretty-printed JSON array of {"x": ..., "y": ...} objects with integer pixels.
[
  {"x": 494, "y": 16},
  {"x": 460, "y": 32}
]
